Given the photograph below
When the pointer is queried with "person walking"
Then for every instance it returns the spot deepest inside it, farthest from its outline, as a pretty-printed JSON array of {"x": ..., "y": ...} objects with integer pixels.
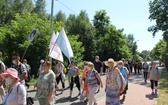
[
  {"x": 20, "y": 67},
  {"x": 46, "y": 85},
  {"x": 145, "y": 71},
  {"x": 154, "y": 76},
  {"x": 2, "y": 82},
  {"x": 98, "y": 65},
  {"x": 112, "y": 87},
  {"x": 125, "y": 73},
  {"x": 28, "y": 68},
  {"x": 68, "y": 71},
  {"x": 40, "y": 70},
  {"x": 92, "y": 80},
  {"x": 60, "y": 76},
  {"x": 74, "y": 74},
  {"x": 131, "y": 66},
  {"x": 135, "y": 67},
  {"x": 83, "y": 79},
  {"x": 126, "y": 64},
  {"x": 16, "y": 94}
]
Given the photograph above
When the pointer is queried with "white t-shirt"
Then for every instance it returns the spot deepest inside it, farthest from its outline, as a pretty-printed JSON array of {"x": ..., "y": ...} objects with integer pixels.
[{"x": 16, "y": 96}]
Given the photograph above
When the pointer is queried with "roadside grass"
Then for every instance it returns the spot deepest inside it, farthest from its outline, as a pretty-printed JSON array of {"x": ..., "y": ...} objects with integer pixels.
[
  {"x": 163, "y": 89},
  {"x": 32, "y": 82}
]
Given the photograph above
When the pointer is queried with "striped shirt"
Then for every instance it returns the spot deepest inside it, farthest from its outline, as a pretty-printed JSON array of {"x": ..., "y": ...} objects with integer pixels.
[{"x": 92, "y": 78}]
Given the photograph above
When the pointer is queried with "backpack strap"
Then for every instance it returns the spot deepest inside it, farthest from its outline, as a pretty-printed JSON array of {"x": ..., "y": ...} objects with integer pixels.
[{"x": 96, "y": 77}]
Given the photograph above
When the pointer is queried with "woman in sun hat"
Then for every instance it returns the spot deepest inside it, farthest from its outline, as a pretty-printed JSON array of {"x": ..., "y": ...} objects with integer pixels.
[
  {"x": 16, "y": 94},
  {"x": 112, "y": 87}
]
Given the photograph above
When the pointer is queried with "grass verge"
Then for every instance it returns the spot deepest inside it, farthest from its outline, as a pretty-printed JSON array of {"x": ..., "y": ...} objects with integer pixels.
[
  {"x": 163, "y": 89},
  {"x": 32, "y": 82}
]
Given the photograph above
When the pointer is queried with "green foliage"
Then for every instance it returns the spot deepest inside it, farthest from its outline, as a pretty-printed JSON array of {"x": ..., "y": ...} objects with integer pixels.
[
  {"x": 40, "y": 7},
  {"x": 158, "y": 12},
  {"x": 146, "y": 55},
  {"x": 159, "y": 51},
  {"x": 60, "y": 17},
  {"x": 110, "y": 42},
  {"x": 15, "y": 40},
  {"x": 19, "y": 17},
  {"x": 77, "y": 48},
  {"x": 81, "y": 25}
]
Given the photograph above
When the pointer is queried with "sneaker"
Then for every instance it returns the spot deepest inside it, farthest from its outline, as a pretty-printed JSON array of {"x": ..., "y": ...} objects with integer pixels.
[
  {"x": 98, "y": 91},
  {"x": 152, "y": 93},
  {"x": 86, "y": 101}
]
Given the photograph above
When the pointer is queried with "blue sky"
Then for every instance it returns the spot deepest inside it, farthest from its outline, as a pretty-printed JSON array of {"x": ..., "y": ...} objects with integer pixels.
[{"x": 131, "y": 15}]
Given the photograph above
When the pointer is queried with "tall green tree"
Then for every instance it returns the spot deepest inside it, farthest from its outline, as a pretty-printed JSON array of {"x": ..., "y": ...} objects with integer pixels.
[
  {"x": 10, "y": 7},
  {"x": 110, "y": 42},
  {"x": 101, "y": 22},
  {"x": 159, "y": 12},
  {"x": 60, "y": 17},
  {"x": 15, "y": 39},
  {"x": 40, "y": 7},
  {"x": 78, "y": 49},
  {"x": 159, "y": 51},
  {"x": 81, "y": 25}
]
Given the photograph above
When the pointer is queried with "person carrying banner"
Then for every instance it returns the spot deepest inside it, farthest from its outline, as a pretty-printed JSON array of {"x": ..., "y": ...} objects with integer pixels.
[{"x": 60, "y": 76}]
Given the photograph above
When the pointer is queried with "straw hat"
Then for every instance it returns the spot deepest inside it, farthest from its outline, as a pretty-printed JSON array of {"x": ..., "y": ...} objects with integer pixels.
[{"x": 110, "y": 60}]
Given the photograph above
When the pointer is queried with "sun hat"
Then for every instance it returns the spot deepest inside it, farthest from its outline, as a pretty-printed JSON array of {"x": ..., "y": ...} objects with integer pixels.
[
  {"x": 11, "y": 71},
  {"x": 120, "y": 63},
  {"x": 110, "y": 60}
]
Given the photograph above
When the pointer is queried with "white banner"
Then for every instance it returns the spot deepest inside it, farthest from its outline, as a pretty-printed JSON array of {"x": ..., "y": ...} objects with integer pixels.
[
  {"x": 64, "y": 44},
  {"x": 55, "y": 51}
]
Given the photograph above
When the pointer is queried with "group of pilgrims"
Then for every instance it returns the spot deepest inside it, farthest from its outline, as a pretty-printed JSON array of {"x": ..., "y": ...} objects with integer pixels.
[{"x": 88, "y": 81}]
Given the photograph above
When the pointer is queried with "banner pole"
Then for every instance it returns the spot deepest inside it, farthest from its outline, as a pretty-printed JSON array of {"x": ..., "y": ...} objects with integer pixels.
[{"x": 25, "y": 52}]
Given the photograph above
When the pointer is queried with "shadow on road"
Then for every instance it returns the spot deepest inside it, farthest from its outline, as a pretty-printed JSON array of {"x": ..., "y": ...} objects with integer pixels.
[
  {"x": 66, "y": 99},
  {"x": 151, "y": 97},
  {"x": 79, "y": 103},
  {"x": 31, "y": 91}
]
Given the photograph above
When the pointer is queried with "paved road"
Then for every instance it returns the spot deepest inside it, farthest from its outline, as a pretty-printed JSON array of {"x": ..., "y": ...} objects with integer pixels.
[
  {"x": 138, "y": 94},
  {"x": 63, "y": 100}
]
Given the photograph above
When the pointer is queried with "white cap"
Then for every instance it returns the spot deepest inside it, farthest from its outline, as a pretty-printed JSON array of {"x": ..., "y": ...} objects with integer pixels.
[{"x": 42, "y": 61}]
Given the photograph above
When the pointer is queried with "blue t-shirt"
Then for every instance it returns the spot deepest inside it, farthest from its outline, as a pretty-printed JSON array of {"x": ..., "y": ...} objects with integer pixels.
[{"x": 124, "y": 73}]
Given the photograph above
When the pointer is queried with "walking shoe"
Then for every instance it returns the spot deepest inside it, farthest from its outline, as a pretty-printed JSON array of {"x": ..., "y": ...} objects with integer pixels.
[
  {"x": 86, "y": 101},
  {"x": 98, "y": 91},
  {"x": 152, "y": 93}
]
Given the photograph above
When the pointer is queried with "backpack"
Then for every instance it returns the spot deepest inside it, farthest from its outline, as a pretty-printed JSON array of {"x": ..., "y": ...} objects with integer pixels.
[
  {"x": 98, "y": 82},
  {"x": 158, "y": 73},
  {"x": 29, "y": 100},
  {"x": 121, "y": 82},
  {"x": 124, "y": 73}
]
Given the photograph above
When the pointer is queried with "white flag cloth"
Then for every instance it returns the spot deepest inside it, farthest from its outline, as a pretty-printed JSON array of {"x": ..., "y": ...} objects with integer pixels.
[
  {"x": 53, "y": 39},
  {"x": 55, "y": 51},
  {"x": 64, "y": 44}
]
